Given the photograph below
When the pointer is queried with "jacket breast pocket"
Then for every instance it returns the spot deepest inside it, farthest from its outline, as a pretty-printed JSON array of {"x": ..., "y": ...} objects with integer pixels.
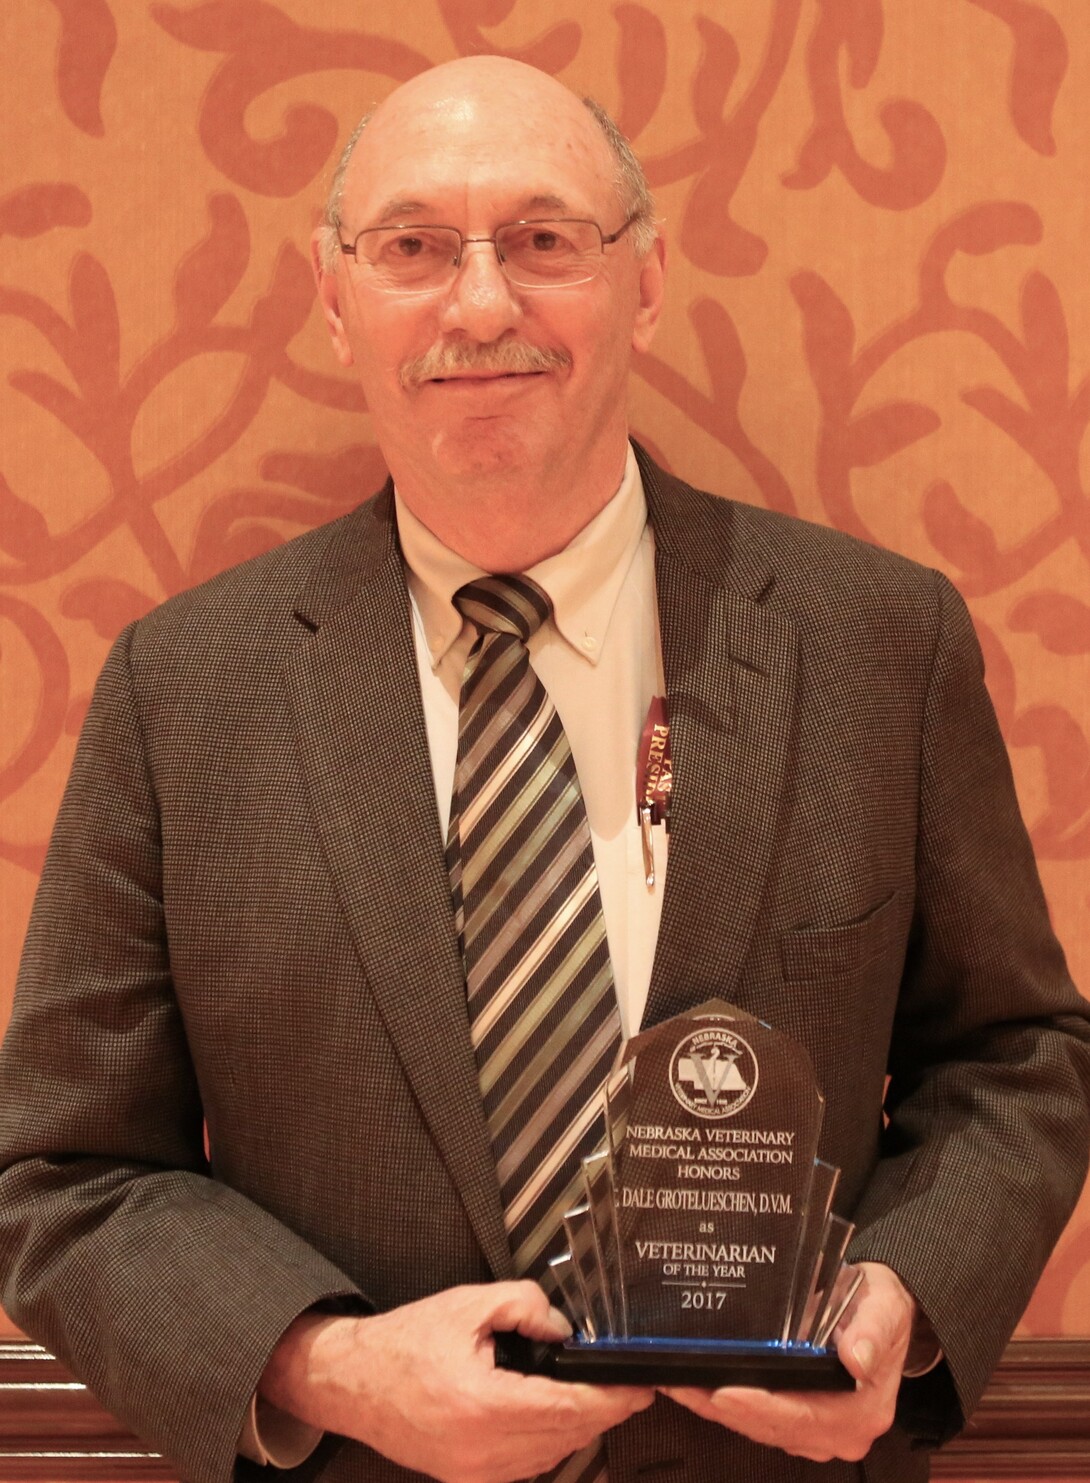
[{"x": 842, "y": 949}]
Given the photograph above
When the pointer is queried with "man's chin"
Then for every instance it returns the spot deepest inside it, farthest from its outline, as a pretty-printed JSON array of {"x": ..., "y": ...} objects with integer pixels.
[{"x": 481, "y": 448}]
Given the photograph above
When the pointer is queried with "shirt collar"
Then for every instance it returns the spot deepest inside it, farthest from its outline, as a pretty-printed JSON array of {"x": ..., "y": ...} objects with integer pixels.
[{"x": 583, "y": 581}]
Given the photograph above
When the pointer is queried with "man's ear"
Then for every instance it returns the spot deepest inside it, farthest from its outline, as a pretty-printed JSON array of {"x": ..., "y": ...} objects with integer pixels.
[
  {"x": 330, "y": 283},
  {"x": 652, "y": 286}
]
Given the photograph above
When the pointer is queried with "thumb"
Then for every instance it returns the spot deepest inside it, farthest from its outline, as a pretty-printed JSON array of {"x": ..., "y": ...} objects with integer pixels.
[
  {"x": 860, "y": 1355},
  {"x": 523, "y": 1307},
  {"x": 878, "y": 1331}
]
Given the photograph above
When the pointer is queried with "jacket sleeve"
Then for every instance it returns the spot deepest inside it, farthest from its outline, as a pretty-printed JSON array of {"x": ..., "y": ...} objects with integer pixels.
[
  {"x": 985, "y": 1149},
  {"x": 163, "y": 1289}
]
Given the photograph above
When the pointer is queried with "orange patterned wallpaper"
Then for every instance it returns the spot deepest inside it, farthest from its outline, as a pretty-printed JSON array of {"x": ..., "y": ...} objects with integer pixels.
[{"x": 879, "y": 318}]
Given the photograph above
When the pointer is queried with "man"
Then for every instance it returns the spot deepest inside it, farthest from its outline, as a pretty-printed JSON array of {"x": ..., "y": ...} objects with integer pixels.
[{"x": 246, "y": 916}]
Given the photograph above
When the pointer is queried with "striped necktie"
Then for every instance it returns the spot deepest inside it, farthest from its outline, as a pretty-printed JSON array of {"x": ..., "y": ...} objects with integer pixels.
[{"x": 542, "y": 1007}]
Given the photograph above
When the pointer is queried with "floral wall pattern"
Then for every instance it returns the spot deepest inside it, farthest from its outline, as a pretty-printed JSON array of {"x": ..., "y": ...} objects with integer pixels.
[{"x": 879, "y": 319}]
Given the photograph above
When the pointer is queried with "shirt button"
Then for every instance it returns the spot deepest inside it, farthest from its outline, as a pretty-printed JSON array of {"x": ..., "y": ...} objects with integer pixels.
[{"x": 589, "y": 642}]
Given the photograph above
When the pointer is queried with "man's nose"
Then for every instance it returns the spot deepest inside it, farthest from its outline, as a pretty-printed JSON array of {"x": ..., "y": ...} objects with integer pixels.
[{"x": 482, "y": 301}]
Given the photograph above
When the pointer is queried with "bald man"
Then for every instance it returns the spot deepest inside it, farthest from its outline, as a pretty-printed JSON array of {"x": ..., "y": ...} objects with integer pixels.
[{"x": 246, "y": 918}]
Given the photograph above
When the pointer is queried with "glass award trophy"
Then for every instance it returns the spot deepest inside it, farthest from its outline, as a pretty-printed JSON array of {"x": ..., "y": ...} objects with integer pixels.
[{"x": 705, "y": 1250}]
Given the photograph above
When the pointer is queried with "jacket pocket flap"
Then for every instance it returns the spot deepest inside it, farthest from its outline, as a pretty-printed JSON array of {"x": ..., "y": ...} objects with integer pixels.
[{"x": 818, "y": 952}]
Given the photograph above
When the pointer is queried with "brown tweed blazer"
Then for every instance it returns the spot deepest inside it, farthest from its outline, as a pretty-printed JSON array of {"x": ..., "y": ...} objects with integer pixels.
[{"x": 245, "y": 918}]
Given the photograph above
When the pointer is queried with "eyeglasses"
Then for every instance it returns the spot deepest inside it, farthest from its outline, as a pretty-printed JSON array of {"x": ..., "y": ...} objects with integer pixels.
[{"x": 533, "y": 254}]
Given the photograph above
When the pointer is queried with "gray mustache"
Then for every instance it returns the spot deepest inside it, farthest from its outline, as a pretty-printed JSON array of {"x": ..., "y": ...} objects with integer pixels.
[{"x": 513, "y": 356}]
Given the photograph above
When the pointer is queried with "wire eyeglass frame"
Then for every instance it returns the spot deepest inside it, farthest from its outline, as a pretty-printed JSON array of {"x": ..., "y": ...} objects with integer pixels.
[{"x": 594, "y": 262}]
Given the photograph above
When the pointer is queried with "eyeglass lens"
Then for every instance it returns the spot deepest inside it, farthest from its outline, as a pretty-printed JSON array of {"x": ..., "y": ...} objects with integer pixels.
[{"x": 532, "y": 254}]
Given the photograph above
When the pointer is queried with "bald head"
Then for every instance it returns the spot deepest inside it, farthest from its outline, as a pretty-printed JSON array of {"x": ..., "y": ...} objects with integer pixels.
[
  {"x": 487, "y": 94},
  {"x": 493, "y": 355},
  {"x": 459, "y": 82}
]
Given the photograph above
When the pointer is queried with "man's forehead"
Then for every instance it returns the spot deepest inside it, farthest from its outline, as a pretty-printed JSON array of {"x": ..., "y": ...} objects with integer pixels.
[{"x": 524, "y": 138}]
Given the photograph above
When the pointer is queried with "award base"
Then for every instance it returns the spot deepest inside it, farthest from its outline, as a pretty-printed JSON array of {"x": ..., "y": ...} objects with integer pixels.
[{"x": 709, "y": 1363}]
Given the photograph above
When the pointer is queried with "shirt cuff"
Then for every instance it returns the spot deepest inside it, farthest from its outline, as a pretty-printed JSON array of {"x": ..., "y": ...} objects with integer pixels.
[
  {"x": 272, "y": 1437},
  {"x": 924, "y": 1349}
]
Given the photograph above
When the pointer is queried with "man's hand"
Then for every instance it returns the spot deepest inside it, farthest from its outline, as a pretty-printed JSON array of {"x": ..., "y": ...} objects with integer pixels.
[
  {"x": 871, "y": 1342},
  {"x": 419, "y": 1385}
]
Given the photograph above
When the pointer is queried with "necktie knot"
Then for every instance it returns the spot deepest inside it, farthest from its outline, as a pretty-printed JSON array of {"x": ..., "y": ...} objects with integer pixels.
[{"x": 504, "y": 604}]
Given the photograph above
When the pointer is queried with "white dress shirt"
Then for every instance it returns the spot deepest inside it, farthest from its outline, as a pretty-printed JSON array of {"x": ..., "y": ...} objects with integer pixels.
[{"x": 599, "y": 658}]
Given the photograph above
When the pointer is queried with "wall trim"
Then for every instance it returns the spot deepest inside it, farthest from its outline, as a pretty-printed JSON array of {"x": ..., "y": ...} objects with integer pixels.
[
  {"x": 1034, "y": 1422},
  {"x": 52, "y": 1428},
  {"x": 1034, "y": 1419}
]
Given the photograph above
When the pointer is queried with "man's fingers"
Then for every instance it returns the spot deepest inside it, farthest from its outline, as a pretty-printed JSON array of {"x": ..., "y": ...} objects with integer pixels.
[
  {"x": 871, "y": 1343},
  {"x": 703, "y": 1402},
  {"x": 606, "y": 1405},
  {"x": 771, "y": 1413},
  {"x": 522, "y": 1307},
  {"x": 799, "y": 1424},
  {"x": 806, "y": 1424},
  {"x": 593, "y": 1409},
  {"x": 419, "y": 1384},
  {"x": 534, "y": 1400}
]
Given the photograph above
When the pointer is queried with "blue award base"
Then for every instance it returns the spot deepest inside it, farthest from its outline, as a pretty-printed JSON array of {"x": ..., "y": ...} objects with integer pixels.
[{"x": 709, "y": 1363}]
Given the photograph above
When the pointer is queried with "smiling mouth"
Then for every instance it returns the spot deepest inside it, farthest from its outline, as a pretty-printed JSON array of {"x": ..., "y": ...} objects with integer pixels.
[{"x": 476, "y": 377}]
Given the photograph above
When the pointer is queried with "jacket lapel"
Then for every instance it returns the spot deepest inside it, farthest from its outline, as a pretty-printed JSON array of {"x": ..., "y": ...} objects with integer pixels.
[
  {"x": 352, "y": 689},
  {"x": 730, "y": 678}
]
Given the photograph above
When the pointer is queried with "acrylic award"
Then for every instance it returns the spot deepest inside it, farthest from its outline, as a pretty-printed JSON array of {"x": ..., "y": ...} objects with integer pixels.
[{"x": 705, "y": 1249}]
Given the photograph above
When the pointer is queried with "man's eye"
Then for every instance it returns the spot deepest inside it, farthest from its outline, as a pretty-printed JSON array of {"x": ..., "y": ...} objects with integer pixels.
[
  {"x": 530, "y": 241},
  {"x": 401, "y": 248},
  {"x": 407, "y": 246}
]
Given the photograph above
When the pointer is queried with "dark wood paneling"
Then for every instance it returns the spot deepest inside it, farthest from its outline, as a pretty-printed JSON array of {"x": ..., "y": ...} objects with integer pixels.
[
  {"x": 1034, "y": 1422},
  {"x": 53, "y": 1430}
]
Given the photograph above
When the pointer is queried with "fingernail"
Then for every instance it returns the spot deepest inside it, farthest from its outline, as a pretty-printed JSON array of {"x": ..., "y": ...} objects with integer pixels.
[
  {"x": 864, "y": 1356},
  {"x": 559, "y": 1324}
]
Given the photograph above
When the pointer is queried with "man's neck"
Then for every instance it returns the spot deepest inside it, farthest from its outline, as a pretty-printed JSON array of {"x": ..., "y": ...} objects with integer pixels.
[{"x": 509, "y": 523}]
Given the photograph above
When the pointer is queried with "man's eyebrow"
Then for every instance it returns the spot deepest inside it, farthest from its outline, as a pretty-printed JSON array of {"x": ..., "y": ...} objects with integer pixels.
[
  {"x": 546, "y": 203},
  {"x": 400, "y": 207}
]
